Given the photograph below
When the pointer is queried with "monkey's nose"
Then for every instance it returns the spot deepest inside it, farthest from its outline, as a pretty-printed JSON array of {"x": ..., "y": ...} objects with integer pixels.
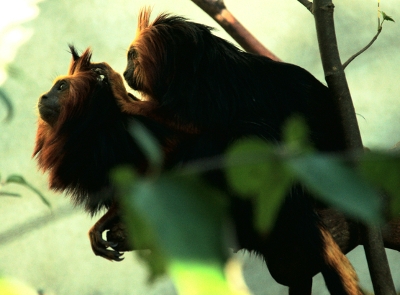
[{"x": 44, "y": 98}]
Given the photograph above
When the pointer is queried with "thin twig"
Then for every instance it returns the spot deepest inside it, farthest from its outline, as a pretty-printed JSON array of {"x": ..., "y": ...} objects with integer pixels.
[
  {"x": 218, "y": 11},
  {"x": 362, "y": 50},
  {"x": 307, "y": 4}
]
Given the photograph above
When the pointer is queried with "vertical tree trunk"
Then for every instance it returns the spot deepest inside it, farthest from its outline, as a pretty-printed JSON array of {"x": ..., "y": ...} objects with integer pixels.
[{"x": 336, "y": 79}]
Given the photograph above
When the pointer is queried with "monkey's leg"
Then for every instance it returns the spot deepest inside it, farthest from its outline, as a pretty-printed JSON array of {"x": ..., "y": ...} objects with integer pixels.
[
  {"x": 99, "y": 245},
  {"x": 302, "y": 287},
  {"x": 391, "y": 234},
  {"x": 300, "y": 246}
]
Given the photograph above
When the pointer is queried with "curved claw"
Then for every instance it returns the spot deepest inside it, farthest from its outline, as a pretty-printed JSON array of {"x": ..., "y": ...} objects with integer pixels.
[
  {"x": 100, "y": 246},
  {"x": 119, "y": 258}
]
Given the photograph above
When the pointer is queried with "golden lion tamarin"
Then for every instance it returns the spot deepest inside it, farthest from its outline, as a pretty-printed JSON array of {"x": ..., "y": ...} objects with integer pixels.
[
  {"x": 202, "y": 82},
  {"x": 82, "y": 134}
]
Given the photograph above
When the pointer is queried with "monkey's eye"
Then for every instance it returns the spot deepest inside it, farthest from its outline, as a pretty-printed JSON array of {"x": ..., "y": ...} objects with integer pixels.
[
  {"x": 132, "y": 54},
  {"x": 62, "y": 86}
]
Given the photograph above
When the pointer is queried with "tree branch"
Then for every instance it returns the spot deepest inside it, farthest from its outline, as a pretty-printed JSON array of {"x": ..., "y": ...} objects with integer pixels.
[
  {"x": 362, "y": 50},
  {"x": 307, "y": 4},
  {"x": 336, "y": 79},
  {"x": 334, "y": 74},
  {"x": 218, "y": 11},
  {"x": 377, "y": 261}
]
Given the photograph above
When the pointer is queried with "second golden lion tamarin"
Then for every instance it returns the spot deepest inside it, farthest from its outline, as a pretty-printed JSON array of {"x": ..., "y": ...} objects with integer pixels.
[{"x": 202, "y": 82}]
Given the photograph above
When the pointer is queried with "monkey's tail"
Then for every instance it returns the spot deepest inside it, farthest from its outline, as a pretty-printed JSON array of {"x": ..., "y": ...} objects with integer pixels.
[{"x": 339, "y": 275}]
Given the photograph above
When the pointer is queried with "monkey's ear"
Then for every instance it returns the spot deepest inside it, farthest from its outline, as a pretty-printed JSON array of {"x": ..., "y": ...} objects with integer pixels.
[
  {"x": 75, "y": 55},
  {"x": 79, "y": 63},
  {"x": 143, "y": 19}
]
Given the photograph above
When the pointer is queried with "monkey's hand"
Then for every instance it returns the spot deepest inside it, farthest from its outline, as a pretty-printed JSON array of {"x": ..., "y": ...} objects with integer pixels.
[
  {"x": 114, "y": 80},
  {"x": 127, "y": 101},
  {"x": 100, "y": 246}
]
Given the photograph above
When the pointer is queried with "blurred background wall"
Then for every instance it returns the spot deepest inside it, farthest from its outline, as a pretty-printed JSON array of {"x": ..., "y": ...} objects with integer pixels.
[{"x": 56, "y": 256}]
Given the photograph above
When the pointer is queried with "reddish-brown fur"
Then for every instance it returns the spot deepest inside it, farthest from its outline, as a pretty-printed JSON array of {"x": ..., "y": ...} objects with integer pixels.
[
  {"x": 65, "y": 153},
  {"x": 48, "y": 138},
  {"x": 195, "y": 78},
  {"x": 82, "y": 134}
]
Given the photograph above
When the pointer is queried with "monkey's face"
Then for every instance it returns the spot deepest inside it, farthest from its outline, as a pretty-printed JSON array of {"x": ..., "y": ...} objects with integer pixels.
[
  {"x": 71, "y": 94},
  {"x": 142, "y": 62},
  {"x": 50, "y": 103},
  {"x": 132, "y": 77},
  {"x": 149, "y": 68},
  {"x": 166, "y": 55}
]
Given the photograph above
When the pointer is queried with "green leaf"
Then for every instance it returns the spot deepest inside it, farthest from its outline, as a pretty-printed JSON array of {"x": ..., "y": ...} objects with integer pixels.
[
  {"x": 295, "y": 134},
  {"x": 199, "y": 278},
  {"x": 143, "y": 236},
  {"x": 7, "y": 102},
  {"x": 255, "y": 171},
  {"x": 194, "y": 211},
  {"x": 17, "y": 179},
  {"x": 386, "y": 17},
  {"x": 267, "y": 204},
  {"x": 124, "y": 177},
  {"x": 383, "y": 170},
  {"x": 338, "y": 185},
  {"x": 9, "y": 286},
  {"x": 141, "y": 233},
  {"x": 249, "y": 163},
  {"x": 179, "y": 218}
]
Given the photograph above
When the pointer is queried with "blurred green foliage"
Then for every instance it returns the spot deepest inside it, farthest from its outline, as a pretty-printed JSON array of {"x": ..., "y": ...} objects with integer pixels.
[
  {"x": 18, "y": 179},
  {"x": 182, "y": 218},
  {"x": 9, "y": 108}
]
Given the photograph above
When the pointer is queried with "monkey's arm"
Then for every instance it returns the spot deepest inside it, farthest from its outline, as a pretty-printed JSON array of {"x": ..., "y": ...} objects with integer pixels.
[
  {"x": 132, "y": 105},
  {"x": 127, "y": 101}
]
